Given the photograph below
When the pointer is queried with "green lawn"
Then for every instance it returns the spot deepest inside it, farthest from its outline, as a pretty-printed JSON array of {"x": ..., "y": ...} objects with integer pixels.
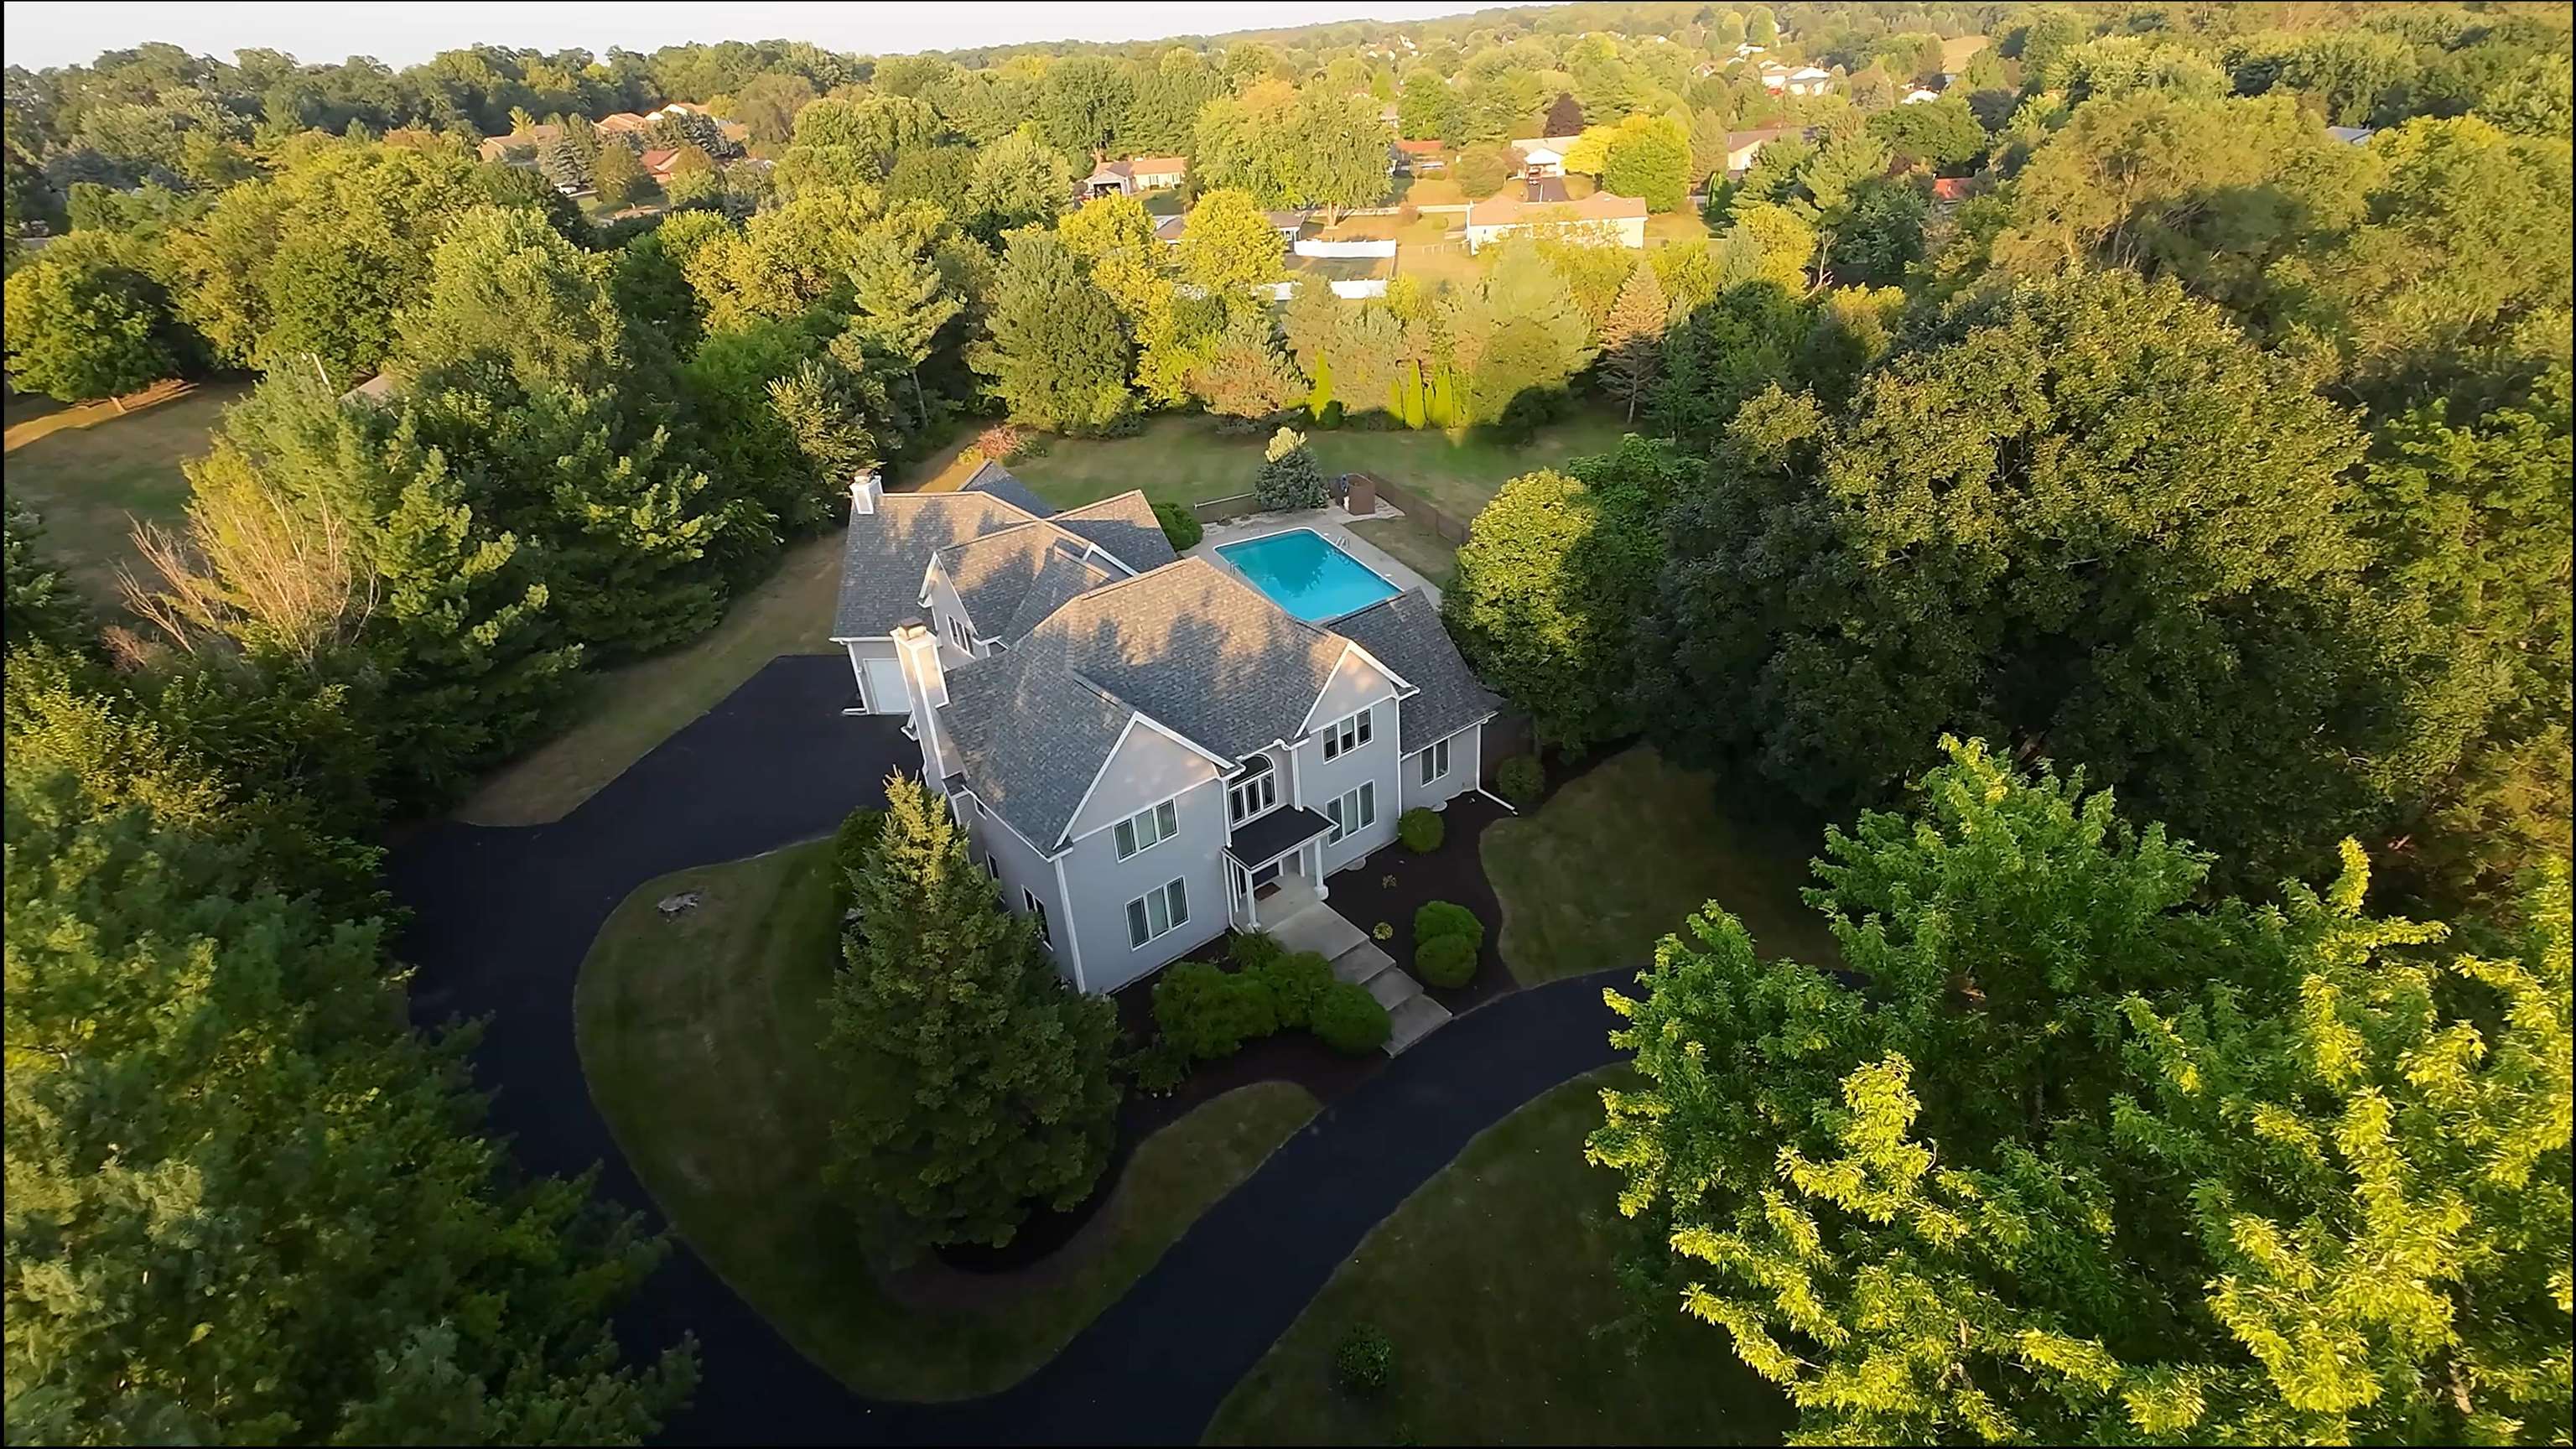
[
  {"x": 699, "y": 1037},
  {"x": 1494, "y": 1283},
  {"x": 1186, "y": 459},
  {"x": 93, "y": 473},
  {"x": 1415, "y": 546},
  {"x": 1618, "y": 859}
]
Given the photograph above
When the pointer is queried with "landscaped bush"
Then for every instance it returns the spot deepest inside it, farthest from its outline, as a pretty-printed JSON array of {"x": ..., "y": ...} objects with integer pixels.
[
  {"x": 1180, "y": 525},
  {"x": 1209, "y": 1013},
  {"x": 1255, "y": 949},
  {"x": 1446, "y": 918},
  {"x": 1364, "y": 1361},
  {"x": 1447, "y": 962},
  {"x": 1421, "y": 830},
  {"x": 1158, "y": 1068},
  {"x": 1349, "y": 1020},
  {"x": 850, "y": 846},
  {"x": 1288, "y": 478},
  {"x": 1520, "y": 780},
  {"x": 1295, "y": 983}
]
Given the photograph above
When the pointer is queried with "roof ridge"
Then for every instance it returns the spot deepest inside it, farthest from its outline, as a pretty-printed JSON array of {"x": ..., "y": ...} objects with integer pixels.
[{"x": 1137, "y": 493}]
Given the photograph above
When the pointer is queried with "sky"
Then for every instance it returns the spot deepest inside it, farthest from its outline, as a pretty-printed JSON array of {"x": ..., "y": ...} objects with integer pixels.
[{"x": 40, "y": 33}]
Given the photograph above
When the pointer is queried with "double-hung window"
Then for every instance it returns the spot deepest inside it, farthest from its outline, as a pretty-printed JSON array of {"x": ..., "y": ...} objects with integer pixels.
[
  {"x": 1355, "y": 811},
  {"x": 1037, "y": 909},
  {"x": 1347, "y": 734},
  {"x": 1254, "y": 792},
  {"x": 958, "y": 636},
  {"x": 1157, "y": 911},
  {"x": 1146, "y": 829},
  {"x": 1435, "y": 762}
]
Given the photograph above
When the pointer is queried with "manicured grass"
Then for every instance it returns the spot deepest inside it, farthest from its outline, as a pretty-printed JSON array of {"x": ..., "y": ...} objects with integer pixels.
[
  {"x": 93, "y": 472},
  {"x": 1186, "y": 459},
  {"x": 626, "y": 711},
  {"x": 1620, "y": 857},
  {"x": 700, "y": 1039},
  {"x": 1495, "y": 1284},
  {"x": 1414, "y": 546}
]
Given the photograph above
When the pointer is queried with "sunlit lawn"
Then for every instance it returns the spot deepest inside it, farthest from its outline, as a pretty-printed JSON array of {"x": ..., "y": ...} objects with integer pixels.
[{"x": 93, "y": 473}]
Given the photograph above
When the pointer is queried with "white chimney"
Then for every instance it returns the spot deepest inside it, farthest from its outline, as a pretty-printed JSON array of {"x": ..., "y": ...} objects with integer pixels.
[
  {"x": 925, "y": 683},
  {"x": 865, "y": 490}
]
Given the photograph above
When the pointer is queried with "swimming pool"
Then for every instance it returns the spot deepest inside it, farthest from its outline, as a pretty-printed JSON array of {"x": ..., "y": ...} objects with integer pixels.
[{"x": 1303, "y": 573}]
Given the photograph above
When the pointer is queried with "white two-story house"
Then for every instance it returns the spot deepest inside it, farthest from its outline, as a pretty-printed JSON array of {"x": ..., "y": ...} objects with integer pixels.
[{"x": 1146, "y": 750}]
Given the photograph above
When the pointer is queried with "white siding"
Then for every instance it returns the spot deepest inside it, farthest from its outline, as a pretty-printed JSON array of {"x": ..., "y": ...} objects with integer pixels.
[
  {"x": 1101, "y": 885},
  {"x": 1148, "y": 767},
  {"x": 1466, "y": 759},
  {"x": 1324, "y": 781},
  {"x": 1022, "y": 869}
]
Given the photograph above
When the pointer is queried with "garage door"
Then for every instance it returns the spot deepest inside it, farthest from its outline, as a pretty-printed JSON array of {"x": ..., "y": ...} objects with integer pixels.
[{"x": 885, "y": 687}]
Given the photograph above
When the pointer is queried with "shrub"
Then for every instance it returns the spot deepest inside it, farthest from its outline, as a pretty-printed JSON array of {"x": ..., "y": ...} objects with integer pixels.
[
  {"x": 1289, "y": 478},
  {"x": 1349, "y": 1019},
  {"x": 1421, "y": 830},
  {"x": 1208, "y": 1013},
  {"x": 1159, "y": 1067},
  {"x": 1521, "y": 780},
  {"x": 1331, "y": 417},
  {"x": 1180, "y": 525},
  {"x": 1448, "y": 962},
  {"x": 1295, "y": 982},
  {"x": 1447, "y": 918},
  {"x": 1003, "y": 442},
  {"x": 1383, "y": 931},
  {"x": 1254, "y": 950},
  {"x": 850, "y": 846},
  {"x": 1364, "y": 1361}
]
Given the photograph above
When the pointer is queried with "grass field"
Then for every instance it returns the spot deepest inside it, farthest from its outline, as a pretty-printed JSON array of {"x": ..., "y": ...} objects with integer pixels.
[
  {"x": 1186, "y": 459},
  {"x": 93, "y": 472},
  {"x": 726, "y": 1001},
  {"x": 1414, "y": 546},
  {"x": 1494, "y": 1283},
  {"x": 1617, "y": 859}
]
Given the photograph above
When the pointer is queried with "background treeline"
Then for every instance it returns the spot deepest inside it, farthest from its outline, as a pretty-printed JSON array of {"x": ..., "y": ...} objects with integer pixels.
[{"x": 2108, "y": 408}]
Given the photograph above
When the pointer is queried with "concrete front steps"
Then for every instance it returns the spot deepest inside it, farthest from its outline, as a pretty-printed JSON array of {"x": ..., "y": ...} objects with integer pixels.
[{"x": 1321, "y": 929}]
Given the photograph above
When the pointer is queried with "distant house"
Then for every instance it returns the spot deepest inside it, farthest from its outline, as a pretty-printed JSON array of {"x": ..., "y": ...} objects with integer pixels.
[
  {"x": 1289, "y": 223},
  {"x": 1168, "y": 229},
  {"x": 2350, "y": 135},
  {"x": 1806, "y": 80},
  {"x": 676, "y": 109},
  {"x": 623, "y": 123},
  {"x": 1743, "y": 146},
  {"x": 1543, "y": 205},
  {"x": 519, "y": 148},
  {"x": 1918, "y": 96},
  {"x": 1135, "y": 174},
  {"x": 1539, "y": 159},
  {"x": 657, "y": 162},
  {"x": 1424, "y": 157}
]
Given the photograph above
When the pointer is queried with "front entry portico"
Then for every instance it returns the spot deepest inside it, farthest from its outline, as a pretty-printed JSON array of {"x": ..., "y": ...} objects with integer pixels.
[{"x": 1275, "y": 866}]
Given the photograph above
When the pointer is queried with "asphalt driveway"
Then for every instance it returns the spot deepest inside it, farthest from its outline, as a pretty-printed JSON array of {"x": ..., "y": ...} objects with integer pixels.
[{"x": 502, "y": 917}]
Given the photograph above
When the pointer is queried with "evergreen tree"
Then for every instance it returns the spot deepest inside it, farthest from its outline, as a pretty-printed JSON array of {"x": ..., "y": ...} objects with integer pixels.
[
  {"x": 2101, "y": 1157},
  {"x": 40, "y": 605},
  {"x": 975, "y": 1082},
  {"x": 1054, "y": 355},
  {"x": 564, "y": 163},
  {"x": 1632, "y": 340},
  {"x": 1288, "y": 478},
  {"x": 903, "y": 303}
]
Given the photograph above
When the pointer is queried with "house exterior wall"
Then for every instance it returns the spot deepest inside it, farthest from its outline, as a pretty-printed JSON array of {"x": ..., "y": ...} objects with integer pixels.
[
  {"x": 1100, "y": 885},
  {"x": 944, "y": 606},
  {"x": 1627, "y": 231},
  {"x": 1020, "y": 867},
  {"x": 1466, "y": 763},
  {"x": 1147, "y": 768},
  {"x": 1324, "y": 781}
]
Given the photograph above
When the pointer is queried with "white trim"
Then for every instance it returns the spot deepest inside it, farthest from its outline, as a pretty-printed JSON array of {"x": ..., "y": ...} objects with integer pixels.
[
  {"x": 1161, "y": 834},
  {"x": 1040, "y": 851},
  {"x": 1135, "y": 717},
  {"x": 1306, "y": 726},
  {"x": 1072, "y": 936}
]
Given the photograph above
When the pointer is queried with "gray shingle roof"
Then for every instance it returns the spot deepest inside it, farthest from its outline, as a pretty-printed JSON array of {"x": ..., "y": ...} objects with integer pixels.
[
  {"x": 1405, "y": 634},
  {"x": 994, "y": 573},
  {"x": 1188, "y": 644},
  {"x": 1124, "y": 525},
  {"x": 1064, "y": 575},
  {"x": 885, "y": 553},
  {"x": 996, "y": 480}
]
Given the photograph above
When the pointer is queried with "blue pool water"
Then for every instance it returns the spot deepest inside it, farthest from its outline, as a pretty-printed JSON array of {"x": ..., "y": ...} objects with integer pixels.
[{"x": 1306, "y": 575}]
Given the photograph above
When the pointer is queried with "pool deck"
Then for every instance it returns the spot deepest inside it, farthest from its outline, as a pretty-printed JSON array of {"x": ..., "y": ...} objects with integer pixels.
[{"x": 1327, "y": 521}]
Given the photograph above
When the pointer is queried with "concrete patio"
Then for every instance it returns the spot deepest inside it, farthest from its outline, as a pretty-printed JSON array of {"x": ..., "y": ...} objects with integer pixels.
[{"x": 1357, "y": 959}]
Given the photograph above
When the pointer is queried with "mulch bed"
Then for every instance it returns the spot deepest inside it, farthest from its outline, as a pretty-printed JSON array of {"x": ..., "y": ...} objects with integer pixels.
[{"x": 1395, "y": 882}]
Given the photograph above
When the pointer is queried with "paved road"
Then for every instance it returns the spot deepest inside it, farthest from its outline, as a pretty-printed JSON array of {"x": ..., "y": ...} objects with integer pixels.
[{"x": 503, "y": 916}]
